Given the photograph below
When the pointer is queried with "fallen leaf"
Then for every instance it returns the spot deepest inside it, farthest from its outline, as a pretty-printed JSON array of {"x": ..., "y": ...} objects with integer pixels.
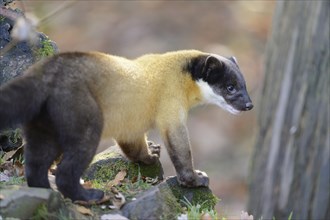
[
  {"x": 118, "y": 178},
  {"x": 85, "y": 211},
  {"x": 19, "y": 168},
  {"x": 8, "y": 155},
  {"x": 87, "y": 184},
  {"x": 16, "y": 155},
  {"x": 2, "y": 197}
]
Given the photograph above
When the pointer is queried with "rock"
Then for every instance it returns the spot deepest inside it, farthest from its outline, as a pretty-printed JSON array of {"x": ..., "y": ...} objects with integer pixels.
[
  {"x": 5, "y": 2},
  {"x": 113, "y": 217},
  {"x": 23, "y": 54},
  {"x": 198, "y": 195},
  {"x": 156, "y": 203},
  {"x": 164, "y": 201},
  {"x": 17, "y": 59},
  {"x": 107, "y": 164},
  {"x": 27, "y": 199},
  {"x": 36, "y": 203}
]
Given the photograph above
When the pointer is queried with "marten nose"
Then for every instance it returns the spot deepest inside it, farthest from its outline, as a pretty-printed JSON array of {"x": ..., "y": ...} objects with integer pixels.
[{"x": 248, "y": 106}]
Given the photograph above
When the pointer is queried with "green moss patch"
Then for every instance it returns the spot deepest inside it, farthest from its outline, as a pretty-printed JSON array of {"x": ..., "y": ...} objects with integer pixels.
[
  {"x": 45, "y": 50},
  {"x": 106, "y": 166},
  {"x": 199, "y": 195}
]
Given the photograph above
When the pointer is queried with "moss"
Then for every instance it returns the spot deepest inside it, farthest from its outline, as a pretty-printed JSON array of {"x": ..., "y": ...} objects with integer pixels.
[
  {"x": 199, "y": 195},
  {"x": 171, "y": 202},
  {"x": 130, "y": 190},
  {"x": 106, "y": 166},
  {"x": 45, "y": 50}
]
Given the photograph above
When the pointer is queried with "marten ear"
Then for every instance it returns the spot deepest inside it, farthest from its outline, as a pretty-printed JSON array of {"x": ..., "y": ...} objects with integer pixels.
[
  {"x": 210, "y": 64},
  {"x": 233, "y": 59}
]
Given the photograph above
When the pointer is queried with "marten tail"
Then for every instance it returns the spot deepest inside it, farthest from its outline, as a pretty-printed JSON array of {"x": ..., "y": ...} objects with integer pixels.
[{"x": 20, "y": 100}]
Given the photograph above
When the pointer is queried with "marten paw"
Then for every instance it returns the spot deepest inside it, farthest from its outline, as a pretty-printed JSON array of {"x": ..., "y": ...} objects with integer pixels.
[
  {"x": 195, "y": 179},
  {"x": 154, "y": 148},
  {"x": 150, "y": 159}
]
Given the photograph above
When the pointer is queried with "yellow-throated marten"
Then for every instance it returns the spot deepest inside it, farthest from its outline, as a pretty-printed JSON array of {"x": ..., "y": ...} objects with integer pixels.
[{"x": 67, "y": 102}]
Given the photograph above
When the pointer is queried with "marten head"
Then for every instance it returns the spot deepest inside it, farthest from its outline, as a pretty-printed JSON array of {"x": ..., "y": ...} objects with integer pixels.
[{"x": 221, "y": 82}]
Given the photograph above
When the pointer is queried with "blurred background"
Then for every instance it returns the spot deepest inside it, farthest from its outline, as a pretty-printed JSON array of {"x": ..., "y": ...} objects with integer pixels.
[{"x": 222, "y": 144}]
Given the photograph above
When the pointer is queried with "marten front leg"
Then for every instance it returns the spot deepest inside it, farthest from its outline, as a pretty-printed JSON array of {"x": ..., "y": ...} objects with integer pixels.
[
  {"x": 140, "y": 150},
  {"x": 178, "y": 146}
]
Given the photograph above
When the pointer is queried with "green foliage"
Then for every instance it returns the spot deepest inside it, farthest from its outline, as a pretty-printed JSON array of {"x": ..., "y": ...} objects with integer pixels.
[
  {"x": 2, "y": 155},
  {"x": 196, "y": 211},
  {"x": 130, "y": 189},
  {"x": 13, "y": 181},
  {"x": 41, "y": 213}
]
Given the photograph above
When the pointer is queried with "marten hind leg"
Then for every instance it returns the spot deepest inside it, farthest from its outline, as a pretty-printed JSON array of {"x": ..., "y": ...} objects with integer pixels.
[
  {"x": 40, "y": 151},
  {"x": 140, "y": 150},
  {"x": 79, "y": 125}
]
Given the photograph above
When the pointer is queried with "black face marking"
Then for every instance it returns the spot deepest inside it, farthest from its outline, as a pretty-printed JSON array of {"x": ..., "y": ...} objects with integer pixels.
[{"x": 224, "y": 77}]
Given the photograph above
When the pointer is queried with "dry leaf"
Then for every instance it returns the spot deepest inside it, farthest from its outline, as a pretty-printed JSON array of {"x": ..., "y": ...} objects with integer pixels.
[
  {"x": 85, "y": 211},
  {"x": 118, "y": 178},
  {"x": 2, "y": 197},
  {"x": 87, "y": 185},
  {"x": 19, "y": 168},
  {"x": 8, "y": 155}
]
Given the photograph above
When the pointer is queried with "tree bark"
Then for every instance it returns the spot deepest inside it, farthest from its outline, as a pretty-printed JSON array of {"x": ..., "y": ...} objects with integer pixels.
[{"x": 290, "y": 165}]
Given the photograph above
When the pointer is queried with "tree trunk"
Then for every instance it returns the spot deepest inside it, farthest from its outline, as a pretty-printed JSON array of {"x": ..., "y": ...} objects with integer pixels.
[{"x": 290, "y": 165}]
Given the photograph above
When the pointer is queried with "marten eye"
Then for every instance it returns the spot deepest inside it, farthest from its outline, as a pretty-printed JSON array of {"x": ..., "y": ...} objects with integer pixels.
[{"x": 231, "y": 89}]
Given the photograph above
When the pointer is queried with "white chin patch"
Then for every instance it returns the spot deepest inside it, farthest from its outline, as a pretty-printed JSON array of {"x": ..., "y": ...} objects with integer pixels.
[{"x": 209, "y": 96}]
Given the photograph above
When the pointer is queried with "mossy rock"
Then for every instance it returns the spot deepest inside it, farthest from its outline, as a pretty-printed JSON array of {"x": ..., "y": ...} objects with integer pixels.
[
  {"x": 155, "y": 203},
  {"x": 199, "y": 195},
  {"x": 106, "y": 165},
  {"x": 165, "y": 201},
  {"x": 36, "y": 203},
  {"x": 15, "y": 61}
]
